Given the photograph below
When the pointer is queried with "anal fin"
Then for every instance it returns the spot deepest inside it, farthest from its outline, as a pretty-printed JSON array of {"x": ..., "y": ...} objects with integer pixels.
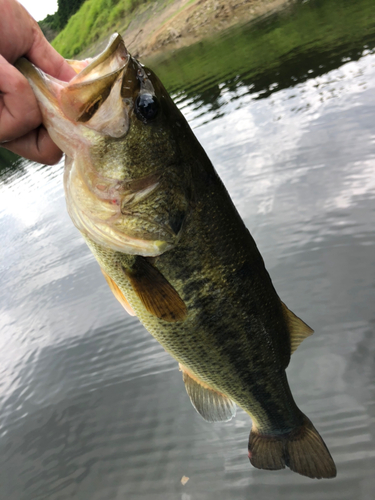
[
  {"x": 118, "y": 294},
  {"x": 297, "y": 328},
  {"x": 212, "y": 405}
]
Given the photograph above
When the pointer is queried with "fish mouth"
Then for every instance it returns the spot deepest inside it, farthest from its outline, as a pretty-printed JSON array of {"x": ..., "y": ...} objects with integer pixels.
[
  {"x": 94, "y": 97},
  {"x": 113, "y": 59}
]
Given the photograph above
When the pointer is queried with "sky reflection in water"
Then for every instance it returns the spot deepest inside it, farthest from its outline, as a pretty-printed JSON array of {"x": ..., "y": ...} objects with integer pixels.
[{"x": 92, "y": 407}]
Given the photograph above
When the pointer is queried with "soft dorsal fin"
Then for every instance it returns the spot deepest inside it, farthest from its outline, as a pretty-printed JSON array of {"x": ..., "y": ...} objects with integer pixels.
[
  {"x": 118, "y": 294},
  {"x": 154, "y": 290},
  {"x": 213, "y": 406},
  {"x": 297, "y": 328}
]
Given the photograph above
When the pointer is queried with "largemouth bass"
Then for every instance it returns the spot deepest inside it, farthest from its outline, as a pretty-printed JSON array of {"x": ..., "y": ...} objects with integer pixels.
[{"x": 176, "y": 253}]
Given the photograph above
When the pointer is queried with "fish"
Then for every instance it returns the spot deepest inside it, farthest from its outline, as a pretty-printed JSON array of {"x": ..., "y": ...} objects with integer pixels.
[{"x": 176, "y": 253}]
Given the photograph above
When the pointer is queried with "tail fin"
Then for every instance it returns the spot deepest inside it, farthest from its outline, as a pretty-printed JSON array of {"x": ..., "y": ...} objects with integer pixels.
[{"x": 302, "y": 450}]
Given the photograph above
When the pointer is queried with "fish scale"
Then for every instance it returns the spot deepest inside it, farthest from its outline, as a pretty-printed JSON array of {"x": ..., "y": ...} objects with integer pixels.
[
  {"x": 222, "y": 343},
  {"x": 175, "y": 251}
]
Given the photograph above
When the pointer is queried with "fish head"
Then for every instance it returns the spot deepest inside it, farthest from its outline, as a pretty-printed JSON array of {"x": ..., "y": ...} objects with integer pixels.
[
  {"x": 98, "y": 102},
  {"x": 117, "y": 126}
]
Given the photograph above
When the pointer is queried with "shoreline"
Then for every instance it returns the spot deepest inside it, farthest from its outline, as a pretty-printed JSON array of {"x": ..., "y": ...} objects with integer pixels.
[{"x": 165, "y": 27}]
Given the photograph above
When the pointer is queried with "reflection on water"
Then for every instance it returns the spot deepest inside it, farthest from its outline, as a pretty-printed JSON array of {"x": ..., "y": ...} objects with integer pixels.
[
  {"x": 91, "y": 406},
  {"x": 274, "y": 53}
]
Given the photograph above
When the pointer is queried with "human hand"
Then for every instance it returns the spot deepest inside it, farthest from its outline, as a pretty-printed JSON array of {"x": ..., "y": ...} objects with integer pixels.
[{"x": 21, "y": 129}]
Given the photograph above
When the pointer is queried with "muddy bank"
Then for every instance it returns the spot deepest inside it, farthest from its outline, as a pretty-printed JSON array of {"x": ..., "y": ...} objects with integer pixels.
[{"x": 163, "y": 26}]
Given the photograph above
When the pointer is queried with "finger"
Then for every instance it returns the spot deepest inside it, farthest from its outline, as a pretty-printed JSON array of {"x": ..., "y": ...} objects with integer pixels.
[
  {"x": 19, "y": 110},
  {"x": 45, "y": 57},
  {"x": 22, "y": 36},
  {"x": 36, "y": 146}
]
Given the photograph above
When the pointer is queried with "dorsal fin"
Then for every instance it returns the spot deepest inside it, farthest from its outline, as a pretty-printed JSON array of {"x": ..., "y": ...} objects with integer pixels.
[
  {"x": 154, "y": 290},
  {"x": 118, "y": 294},
  {"x": 297, "y": 328},
  {"x": 213, "y": 406}
]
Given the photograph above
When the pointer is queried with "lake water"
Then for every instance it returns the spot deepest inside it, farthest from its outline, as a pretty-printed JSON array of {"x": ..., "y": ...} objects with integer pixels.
[{"x": 91, "y": 407}]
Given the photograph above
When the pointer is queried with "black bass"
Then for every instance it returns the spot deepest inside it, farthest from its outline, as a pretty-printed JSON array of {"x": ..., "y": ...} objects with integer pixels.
[{"x": 175, "y": 251}]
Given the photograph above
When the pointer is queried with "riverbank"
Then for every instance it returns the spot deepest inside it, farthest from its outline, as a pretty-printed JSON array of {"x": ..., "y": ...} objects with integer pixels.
[{"x": 165, "y": 26}]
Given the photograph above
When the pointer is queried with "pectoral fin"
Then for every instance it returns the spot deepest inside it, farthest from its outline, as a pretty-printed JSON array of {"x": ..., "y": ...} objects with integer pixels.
[
  {"x": 118, "y": 294},
  {"x": 156, "y": 293},
  {"x": 212, "y": 405},
  {"x": 297, "y": 328}
]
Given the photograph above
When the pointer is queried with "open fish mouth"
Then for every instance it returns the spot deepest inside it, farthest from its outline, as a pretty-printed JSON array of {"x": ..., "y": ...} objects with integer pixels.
[{"x": 100, "y": 96}]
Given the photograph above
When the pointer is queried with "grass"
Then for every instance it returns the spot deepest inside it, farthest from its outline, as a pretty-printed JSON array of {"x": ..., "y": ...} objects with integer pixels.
[{"x": 94, "y": 20}]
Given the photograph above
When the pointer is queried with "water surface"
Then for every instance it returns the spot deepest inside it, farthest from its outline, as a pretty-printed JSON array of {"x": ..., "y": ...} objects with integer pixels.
[{"x": 91, "y": 407}]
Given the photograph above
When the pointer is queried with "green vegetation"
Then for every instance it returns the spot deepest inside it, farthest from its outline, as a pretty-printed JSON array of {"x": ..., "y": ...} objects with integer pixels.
[
  {"x": 54, "y": 23},
  {"x": 66, "y": 9},
  {"x": 94, "y": 20}
]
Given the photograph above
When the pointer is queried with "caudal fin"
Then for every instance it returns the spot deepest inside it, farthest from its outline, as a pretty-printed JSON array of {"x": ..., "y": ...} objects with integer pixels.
[{"x": 302, "y": 450}]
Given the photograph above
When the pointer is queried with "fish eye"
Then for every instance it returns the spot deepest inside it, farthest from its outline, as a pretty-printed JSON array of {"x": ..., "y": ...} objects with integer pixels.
[{"x": 146, "y": 107}]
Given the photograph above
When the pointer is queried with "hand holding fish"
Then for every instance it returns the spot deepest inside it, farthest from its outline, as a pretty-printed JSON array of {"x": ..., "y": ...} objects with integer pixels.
[{"x": 21, "y": 129}]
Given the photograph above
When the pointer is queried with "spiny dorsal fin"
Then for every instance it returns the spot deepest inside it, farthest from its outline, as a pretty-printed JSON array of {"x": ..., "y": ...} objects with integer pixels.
[
  {"x": 213, "y": 406},
  {"x": 156, "y": 293},
  {"x": 118, "y": 294},
  {"x": 297, "y": 328}
]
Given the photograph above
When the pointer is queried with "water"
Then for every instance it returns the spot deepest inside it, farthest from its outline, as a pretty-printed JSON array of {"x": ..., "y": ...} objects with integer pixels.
[{"x": 91, "y": 406}]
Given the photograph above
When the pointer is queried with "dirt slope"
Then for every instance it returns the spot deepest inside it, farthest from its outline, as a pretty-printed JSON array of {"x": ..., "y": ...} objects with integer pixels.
[{"x": 164, "y": 26}]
